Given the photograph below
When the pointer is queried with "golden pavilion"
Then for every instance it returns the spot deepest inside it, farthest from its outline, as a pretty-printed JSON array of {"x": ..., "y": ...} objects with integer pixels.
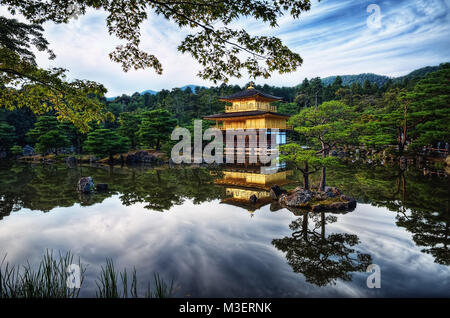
[{"x": 250, "y": 109}]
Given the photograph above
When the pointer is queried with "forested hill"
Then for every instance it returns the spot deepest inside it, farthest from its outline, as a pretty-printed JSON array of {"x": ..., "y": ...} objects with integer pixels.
[
  {"x": 380, "y": 80},
  {"x": 348, "y": 80}
]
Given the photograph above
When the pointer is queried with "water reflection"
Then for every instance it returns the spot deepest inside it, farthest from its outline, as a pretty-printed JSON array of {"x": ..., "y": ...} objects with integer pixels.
[
  {"x": 249, "y": 187},
  {"x": 45, "y": 187},
  {"x": 211, "y": 248},
  {"x": 321, "y": 258},
  {"x": 421, "y": 203}
]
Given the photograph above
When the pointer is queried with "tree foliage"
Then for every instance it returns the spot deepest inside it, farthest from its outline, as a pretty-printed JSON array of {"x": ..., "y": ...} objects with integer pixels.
[
  {"x": 106, "y": 142},
  {"x": 222, "y": 50},
  {"x": 24, "y": 84},
  {"x": 48, "y": 134},
  {"x": 156, "y": 127}
]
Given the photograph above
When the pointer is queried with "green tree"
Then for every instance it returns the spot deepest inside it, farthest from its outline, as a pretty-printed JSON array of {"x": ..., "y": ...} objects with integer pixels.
[
  {"x": 24, "y": 84},
  {"x": 419, "y": 117},
  {"x": 156, "y": 127},
  {"x": 288, "y": 108},
  {"x": 16, "y": 150},
  {"x": 51, "y": 141},
  {"x": 7, "y": 136},
  {"x": 106, "y": 142},
  {"x": 43, "y": 125},
  {"x": 222, "y": 51},
  {"x": 306, "y": 161},
  {"x": 48, "y": 134},
  {"x": 427, "y": 109},
  {"x": 129, "y": 122},
  {"x": 327, "y": 126}
]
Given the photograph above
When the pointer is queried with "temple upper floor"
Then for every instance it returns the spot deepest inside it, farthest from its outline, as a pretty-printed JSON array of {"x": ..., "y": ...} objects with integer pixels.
[
  {"x": 250, "y": 100},
  {"x": 248, "y": 105}
]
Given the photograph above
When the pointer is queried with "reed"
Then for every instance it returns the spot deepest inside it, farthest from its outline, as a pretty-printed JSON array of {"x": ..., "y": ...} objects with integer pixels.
[
  {"x": 50, "y": 280},
  {"x": 114, "y": 284}
]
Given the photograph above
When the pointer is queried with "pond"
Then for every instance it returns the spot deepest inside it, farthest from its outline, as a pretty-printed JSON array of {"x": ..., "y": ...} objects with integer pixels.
[{"x": 195, "y": 226}]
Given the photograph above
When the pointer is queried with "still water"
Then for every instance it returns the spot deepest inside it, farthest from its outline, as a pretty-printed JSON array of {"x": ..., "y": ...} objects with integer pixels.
[{"x": 205, "y": 235}]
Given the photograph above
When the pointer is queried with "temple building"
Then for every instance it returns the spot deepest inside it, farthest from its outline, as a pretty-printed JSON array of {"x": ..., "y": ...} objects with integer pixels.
[{"x": 251, "y": 109}]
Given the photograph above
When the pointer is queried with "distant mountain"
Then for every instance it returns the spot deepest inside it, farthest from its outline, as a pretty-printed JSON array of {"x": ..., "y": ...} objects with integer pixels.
[
  {"x": 419, "y": 73},
  {"x": 192, "y": 87},
  {"x": 149, "y": 91},
  {"x": 380, "y": 79},
  {"x": 346, "y": 79},
  {"x": 360, "y": 78}
]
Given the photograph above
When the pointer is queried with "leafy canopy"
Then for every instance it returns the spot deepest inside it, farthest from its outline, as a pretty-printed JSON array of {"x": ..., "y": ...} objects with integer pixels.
[
  {"x": 156, "y": 127},
  {"x": 222, "y": 50},
  {"x": 326, "y": 125},
  {"x": 105, "y": 142},
  {"x": 24, "y": 84}
]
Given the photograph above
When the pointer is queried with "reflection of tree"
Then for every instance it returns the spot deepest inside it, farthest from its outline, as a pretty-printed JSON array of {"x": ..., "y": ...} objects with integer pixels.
[
  {"x": 44, "y": 187},
  {"x": 421, "y": 203},
  {"x": 430, "y": 230},
  {"x": 160, "y": 189},
  {"x": 321, "y": 259}
]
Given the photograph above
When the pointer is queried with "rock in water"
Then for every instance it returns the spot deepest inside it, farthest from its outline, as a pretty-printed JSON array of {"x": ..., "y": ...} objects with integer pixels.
[
  {"x": 85, "y": 185},
  {"x": 332, "y": 192},
  {"x": 102, "y": 187},
  {"x": 297, "y": 198},
  {"x": 276, "y": 192},
  {"x": 28, "y": 151}
]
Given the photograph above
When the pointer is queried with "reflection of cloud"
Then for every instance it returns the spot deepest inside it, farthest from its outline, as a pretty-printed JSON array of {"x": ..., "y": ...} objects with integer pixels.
[
  {"x": 217, "y": 250},
  {"x": 333, "y": 38},
  {"x": 405, "y": 270}
]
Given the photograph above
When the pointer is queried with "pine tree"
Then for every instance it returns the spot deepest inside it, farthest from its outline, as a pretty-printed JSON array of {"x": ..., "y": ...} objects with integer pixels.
[
  {"x": 7, "y": 136},
  {"x": 156, "y": 127},
  {"x": 106, "y": 142}
]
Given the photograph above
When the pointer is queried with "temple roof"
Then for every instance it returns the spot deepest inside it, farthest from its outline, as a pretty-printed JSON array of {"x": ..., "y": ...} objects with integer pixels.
[
  {"x": 245, "y": 114},
  {"x": 250, "y": 92}
]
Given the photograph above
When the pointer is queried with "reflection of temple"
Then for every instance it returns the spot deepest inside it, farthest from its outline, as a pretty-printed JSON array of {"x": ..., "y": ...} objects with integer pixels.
[{"x": 249, "y": 188}]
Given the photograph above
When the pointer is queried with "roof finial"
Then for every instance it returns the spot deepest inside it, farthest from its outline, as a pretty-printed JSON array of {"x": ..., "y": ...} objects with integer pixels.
[{"x": 250, "y": 85}]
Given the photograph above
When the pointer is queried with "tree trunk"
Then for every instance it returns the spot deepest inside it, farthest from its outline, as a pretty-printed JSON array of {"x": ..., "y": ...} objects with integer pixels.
[
  {"x": 111, "y": 159},
  {"x": 306, "y": 176},
  {"x": 324, "y": 170},
  {"x": 323, "y": 179}
]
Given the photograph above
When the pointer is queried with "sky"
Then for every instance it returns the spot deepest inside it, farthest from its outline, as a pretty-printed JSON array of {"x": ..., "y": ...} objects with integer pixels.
[{"x": 336, "y": 37}]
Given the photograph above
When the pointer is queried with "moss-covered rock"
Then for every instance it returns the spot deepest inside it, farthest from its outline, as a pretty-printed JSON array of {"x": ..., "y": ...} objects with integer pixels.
[{"x": 331, "y": 199}]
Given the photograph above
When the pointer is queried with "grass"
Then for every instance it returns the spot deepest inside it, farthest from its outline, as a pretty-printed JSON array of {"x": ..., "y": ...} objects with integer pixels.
[{"x": 50, "y": 280}]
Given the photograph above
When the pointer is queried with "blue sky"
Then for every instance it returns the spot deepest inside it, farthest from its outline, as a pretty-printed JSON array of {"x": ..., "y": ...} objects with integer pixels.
[{"x": 333, "y": 38}]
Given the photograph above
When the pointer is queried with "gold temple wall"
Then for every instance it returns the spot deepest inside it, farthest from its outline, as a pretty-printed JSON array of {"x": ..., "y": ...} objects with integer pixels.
[{"x": 255, "y": 123}]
